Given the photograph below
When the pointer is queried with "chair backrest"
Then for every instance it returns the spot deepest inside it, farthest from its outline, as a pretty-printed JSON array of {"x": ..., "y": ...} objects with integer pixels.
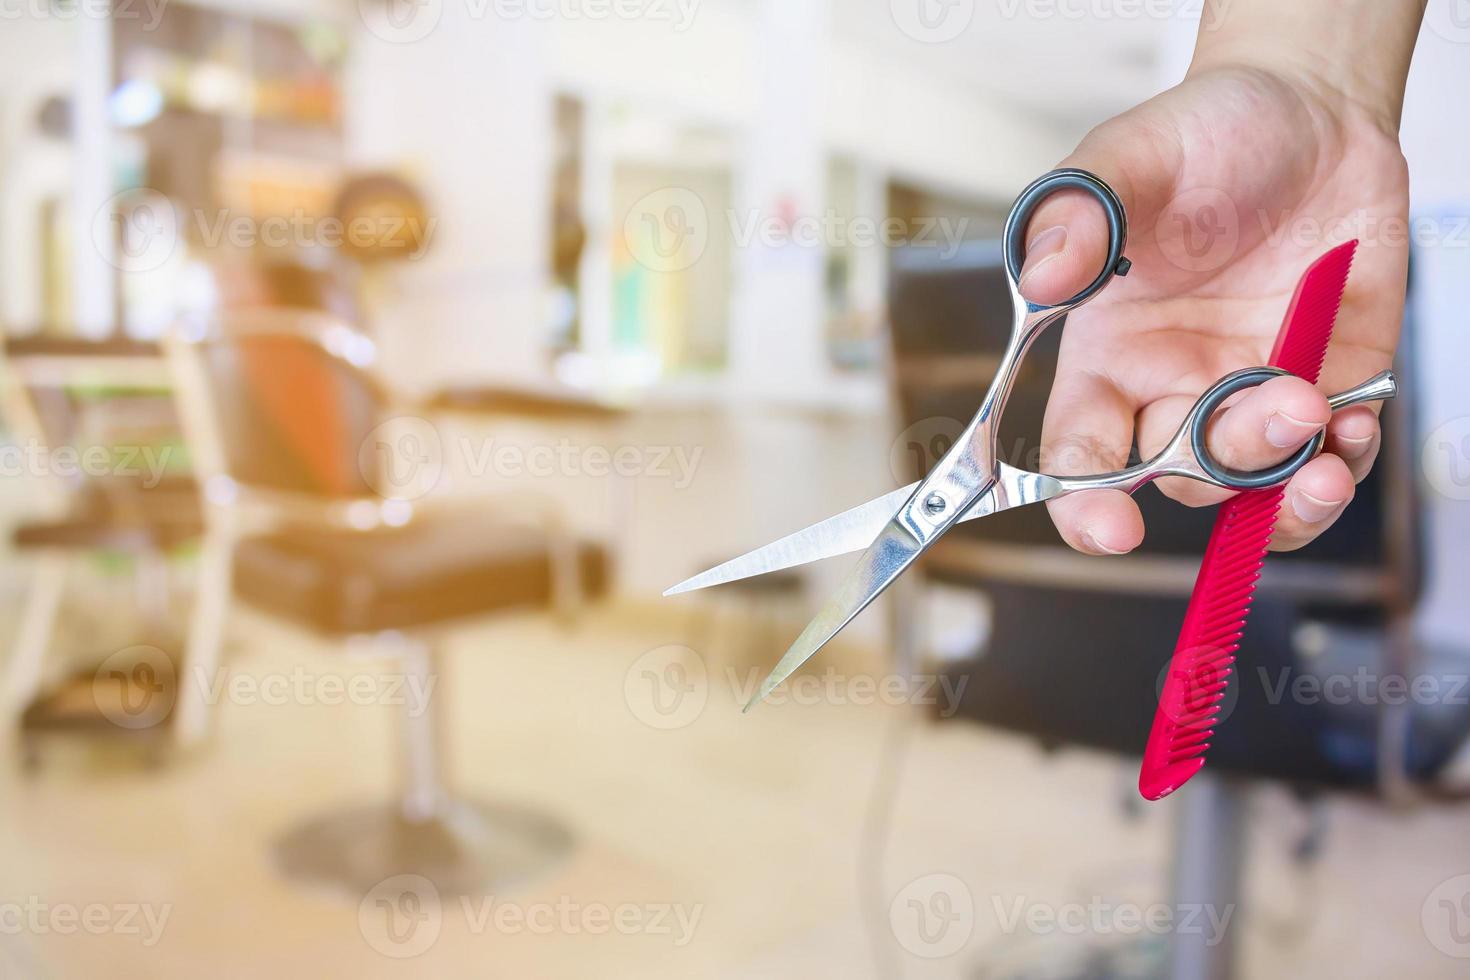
[
  {"x": 290, "y": 402},
  {"x": 89, "y": 394}
]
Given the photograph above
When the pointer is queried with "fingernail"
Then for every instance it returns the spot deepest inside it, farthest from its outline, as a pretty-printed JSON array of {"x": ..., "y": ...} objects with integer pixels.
[
  {"x": 1043, "y": 247},
  {"x": 1097, "y": 547},
  {"x": 1312, "y": 510},
  {"x": 1353, "y": 448},
  {"x": 1285, "y": 432}
]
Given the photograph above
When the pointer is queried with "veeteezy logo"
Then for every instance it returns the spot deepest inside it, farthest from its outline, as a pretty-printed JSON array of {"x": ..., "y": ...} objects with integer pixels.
[
  {"x": 832, "y": 230},
  {"x": 670, "y": 229},
  {"x": 406, "y": 457},
  {"x": 403, "y": 916},
  {"x": 37, "y": 917},
  {"x": 407, "y": 21},
  {"x": 1099, "y": 917},
  {"x": 149, "y": 12},
  {"x": 1208, "y": 15}
]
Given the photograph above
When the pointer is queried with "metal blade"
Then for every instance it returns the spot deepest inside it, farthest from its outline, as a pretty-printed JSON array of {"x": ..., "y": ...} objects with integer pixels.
[
  {"x": 851, "y": 530},
  {"x": 854, "y": 529},
  {"x": 890, "y": 553}
]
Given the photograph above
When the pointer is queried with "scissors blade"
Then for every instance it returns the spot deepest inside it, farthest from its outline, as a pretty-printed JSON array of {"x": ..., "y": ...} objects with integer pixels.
[
  {"x": 851, "y": 530},
  {"x": 854, "y": 529},
  {"x": 891, "y": 552}
]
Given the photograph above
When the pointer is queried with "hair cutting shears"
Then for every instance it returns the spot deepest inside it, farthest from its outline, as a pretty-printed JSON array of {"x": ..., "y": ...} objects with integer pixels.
[{"x": 970, "y": 482}]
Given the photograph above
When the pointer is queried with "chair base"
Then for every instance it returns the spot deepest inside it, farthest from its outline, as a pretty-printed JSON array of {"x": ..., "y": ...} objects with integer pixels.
[{"x": 469, "y": 848}]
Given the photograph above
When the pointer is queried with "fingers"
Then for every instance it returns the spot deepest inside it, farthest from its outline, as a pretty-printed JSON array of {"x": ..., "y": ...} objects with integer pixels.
[
  {"x": 1066, "y": 247},
  {"x": 1067, "y": 236},
  {"x": 1265, "y": 426},
  {"x": 1315, "y": 499},
  {"x": 1354, "y": 435},
  {"x": 1089, "y": 429}
]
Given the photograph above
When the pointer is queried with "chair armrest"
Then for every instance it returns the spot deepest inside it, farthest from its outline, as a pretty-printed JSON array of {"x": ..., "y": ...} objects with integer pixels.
[
  {"x": 535, "y": 403},
  {"x": 261, "y": 507}
]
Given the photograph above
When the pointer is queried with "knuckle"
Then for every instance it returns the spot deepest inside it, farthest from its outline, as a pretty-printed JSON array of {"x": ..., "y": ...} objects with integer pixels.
[
  {"x": 1191, "y": 493},
  {"x": 1080, "y": 454},
  {"x": 1360, "y": 468},
  {"x": 1292, "y": 540}
]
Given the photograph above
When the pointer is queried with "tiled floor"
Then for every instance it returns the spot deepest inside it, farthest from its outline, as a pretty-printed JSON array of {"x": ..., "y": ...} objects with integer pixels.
[{"x": 749, "y": 827}]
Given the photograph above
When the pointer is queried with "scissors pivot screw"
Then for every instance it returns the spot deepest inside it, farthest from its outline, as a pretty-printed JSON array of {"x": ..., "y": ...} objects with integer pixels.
[{"x": 894, "y": 530}]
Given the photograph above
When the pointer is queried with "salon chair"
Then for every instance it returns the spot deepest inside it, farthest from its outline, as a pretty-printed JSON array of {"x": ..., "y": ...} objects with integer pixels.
[
  {"x": 285, "y": 419},
  {"x": 1077, "y": 646},
  {"x": 55, "y": 388}
]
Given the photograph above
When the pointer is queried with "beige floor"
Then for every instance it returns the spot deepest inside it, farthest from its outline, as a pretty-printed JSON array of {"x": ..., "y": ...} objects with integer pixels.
[{"x": 751, "y": 822}]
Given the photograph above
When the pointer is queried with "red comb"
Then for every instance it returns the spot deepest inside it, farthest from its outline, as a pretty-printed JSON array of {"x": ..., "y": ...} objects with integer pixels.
[{"x": 1199, "y": 671}]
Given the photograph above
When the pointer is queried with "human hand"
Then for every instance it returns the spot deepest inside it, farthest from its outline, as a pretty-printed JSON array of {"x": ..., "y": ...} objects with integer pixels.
[{"x": 1234, "y": 182}]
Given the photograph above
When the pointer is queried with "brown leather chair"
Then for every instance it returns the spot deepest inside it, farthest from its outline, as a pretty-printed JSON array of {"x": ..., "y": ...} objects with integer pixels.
[{"x": 289, "y": 419}]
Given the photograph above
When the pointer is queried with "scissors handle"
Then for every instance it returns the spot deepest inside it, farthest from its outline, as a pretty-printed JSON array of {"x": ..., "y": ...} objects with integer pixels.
[
  {"x": 970, "y": 467},
  {"x": 1188, "y": 455},
  {"x": 1013, "y": 240}
]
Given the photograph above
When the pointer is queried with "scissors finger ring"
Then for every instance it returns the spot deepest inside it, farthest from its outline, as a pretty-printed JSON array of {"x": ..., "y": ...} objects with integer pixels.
[{"x": 970, "y": 482}]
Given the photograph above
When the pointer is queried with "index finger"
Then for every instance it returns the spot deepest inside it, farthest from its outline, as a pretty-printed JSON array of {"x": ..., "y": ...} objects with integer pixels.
[{"x": 1089, "y": 429}]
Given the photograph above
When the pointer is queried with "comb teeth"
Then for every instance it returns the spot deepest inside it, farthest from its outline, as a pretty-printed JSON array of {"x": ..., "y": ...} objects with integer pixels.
[
  {"x": 1198, "y": 678},
  {"x": 1301, "y": 346}
]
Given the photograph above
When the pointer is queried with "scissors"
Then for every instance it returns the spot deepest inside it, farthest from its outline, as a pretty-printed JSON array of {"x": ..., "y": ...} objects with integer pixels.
[{"x": 969, "y": 482}]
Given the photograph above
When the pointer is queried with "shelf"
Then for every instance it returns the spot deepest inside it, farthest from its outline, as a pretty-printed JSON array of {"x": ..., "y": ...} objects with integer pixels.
[{"x": 1152, "y": 575}]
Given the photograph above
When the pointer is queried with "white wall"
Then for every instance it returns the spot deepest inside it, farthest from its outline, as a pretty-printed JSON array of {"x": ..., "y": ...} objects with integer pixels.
[
  {"x": 37, "y": 60},
  {"x": 793, "y": 91},
  {"x": 1437, "y": 145},
  {"x": 926, "y": 128},
  {"x": 703, "y": 70},
  {"x": 875, "y": 107},
  {"x": 466, "y": 113}
]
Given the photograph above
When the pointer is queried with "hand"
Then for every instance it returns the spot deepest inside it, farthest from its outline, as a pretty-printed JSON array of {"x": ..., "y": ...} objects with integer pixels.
[{"x": 1234, "y": 182}]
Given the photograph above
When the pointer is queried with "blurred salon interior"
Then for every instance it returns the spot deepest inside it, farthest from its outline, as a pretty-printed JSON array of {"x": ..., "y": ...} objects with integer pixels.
[{"x": 370, "y": 368}]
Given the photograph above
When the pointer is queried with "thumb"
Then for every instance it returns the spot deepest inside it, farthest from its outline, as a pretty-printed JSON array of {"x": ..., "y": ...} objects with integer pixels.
[{"x": 1067, "y": 236}]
